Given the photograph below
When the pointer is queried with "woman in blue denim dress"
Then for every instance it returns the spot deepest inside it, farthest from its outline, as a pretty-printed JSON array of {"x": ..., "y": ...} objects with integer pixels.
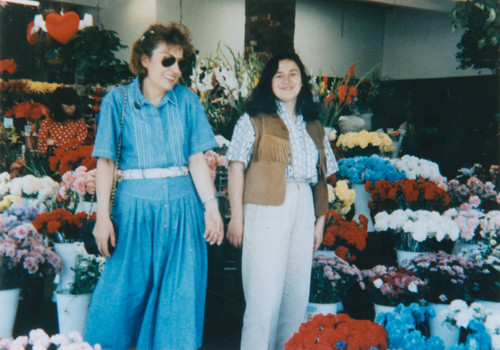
[{"x": 152, "y": 291}]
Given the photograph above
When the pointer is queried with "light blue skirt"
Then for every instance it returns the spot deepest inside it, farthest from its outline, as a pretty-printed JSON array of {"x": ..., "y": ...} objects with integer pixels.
[{"x": 152, "y": 291}]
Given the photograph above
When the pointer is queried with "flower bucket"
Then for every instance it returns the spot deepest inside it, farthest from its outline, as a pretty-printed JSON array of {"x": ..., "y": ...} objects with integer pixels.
[
  {"x": 361, "y": 204},
  {"x": 450, "y": 334},
  {"x": 9, "y": 300},
  {"x": 463, "y": 247},
  {"x": 67, "y": 252},
  {"x": 85, "y": 206},
  {"x": 327, "y": 253},
  {"x": 72, "y": 312},
  {"x": 379, "y": 308},
  {"x": 404, "y": 257},
  {"x": 324, "y": 309}
]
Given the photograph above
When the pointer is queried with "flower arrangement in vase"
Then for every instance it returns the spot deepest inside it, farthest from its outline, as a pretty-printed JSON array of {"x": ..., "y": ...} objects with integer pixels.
[
  {"x": 338, "y": 95},
  {"x": 77, "y": 186},
  {"x": 346, "y": 238},
  {"x": 415, "y": 167},
  {"x": 331, "y": 279},
  {"x": 362, "y": 169},
  {"x": 418, "y": 194},
  {"x": 338, "y": 332},
  {"x": 23, "y": 253},
  {"x": 364, "y": 143},
  {"x": 416, "y": 231},
  {"x": 486, "y": 285},
  {"x": 69, "y": 157},
  {"x": 222, "y": 82},
  {"x": 448, "y": 276},
  {"x": 392, "y": 286},
  {"x": 88, "y": 269},
  {"x": 38, "y": 339},
  {"x": 60, "y": 225},
  {"x": 340, "y": 197}
]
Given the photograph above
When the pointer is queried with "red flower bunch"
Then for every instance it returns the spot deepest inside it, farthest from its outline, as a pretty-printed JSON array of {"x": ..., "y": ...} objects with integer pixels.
[
  {"x": 68, "y": 157},
  {"x": 338, "y": 332},
  {"x": 345, "y": 237},
  {"x": 419, "y": 194},
  {"x": 29, "y": 110},
  {"x": 60, "y": 224},
  {"x": 8, "y": 65}
]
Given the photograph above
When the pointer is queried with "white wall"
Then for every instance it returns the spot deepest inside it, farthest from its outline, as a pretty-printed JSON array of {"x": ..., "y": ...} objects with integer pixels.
[
  {"x": 210, "y": 22},
  {"x": 335, "y": 35},
  {"x": 420, "y": 44}
]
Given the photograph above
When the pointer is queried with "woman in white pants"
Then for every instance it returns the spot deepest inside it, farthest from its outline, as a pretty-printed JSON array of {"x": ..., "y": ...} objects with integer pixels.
[{"x": 279, "y": 159}]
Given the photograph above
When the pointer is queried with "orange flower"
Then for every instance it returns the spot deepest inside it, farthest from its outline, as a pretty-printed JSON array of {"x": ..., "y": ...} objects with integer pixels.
[
  {"x": 28, "y": 110},
  {"x": 328, "y": 99},
  {"x": 342, "y": 92},
  {"x": 8, "y": 65},
  {"x": 350, "y": 72},
  {"x": 353, "y": 91}
]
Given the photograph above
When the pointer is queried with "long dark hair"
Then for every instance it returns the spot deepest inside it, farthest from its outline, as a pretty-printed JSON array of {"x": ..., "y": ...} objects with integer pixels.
[
  {"x": 262, "y": 99},
  {"x": 68, "y": 96}
]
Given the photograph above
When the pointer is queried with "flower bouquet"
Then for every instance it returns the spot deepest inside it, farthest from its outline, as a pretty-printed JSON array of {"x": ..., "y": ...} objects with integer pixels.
[
  {"x": 70, "y": 156},
  {"x": 9, "y": 200},
  {"x": 405, "y": 326},
  {"x": 338, "y": 95},
  {"x": 338, "y": 332},
  {"x": 331, "y": 279},
  {"x": 222, "y": 82},
  {"x": 392, "y": 286},
  {"x": 415, "y": 167},
  {"x": 214, "y": 160},
  {"x": 88, "y": 269},
  {"x": 486, "y": 286},
  {"x": 77, "y": 186},
  {"x": 478, "y": 191},
  {"x": 23, "y": 253},
  {"x": 340, "y": 197},
  {"x": 60, "y": 225},
  {"x": 467, "y": 220},
  {"x": 363, "y": 143},
  {"x": 418, "y": 194},
  {"x": 346, "y": 238},
  {"x": 37, "y": 191},
  {"x": 492, "y": 324},
  {"x": 448, "y": 276},
  {"x": 416, "y": 231},
  {"x": 39, "y": 340},
  {"x": 362, "y": 169}
]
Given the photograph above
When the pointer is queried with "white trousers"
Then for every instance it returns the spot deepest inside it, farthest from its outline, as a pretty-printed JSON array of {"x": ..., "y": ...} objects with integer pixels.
[{"x": 276, "y": 268}]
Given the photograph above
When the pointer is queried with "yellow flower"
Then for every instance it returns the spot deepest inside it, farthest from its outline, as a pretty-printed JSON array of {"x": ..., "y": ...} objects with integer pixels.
[
  {"x": 41, "y": 87},
  {"x": 331, "y": 194}
]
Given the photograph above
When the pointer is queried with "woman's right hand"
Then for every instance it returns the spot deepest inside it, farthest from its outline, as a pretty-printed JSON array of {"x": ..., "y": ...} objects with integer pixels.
[
  {"x": 235, "y": 232},
  {"x": 104, "y": 233}
]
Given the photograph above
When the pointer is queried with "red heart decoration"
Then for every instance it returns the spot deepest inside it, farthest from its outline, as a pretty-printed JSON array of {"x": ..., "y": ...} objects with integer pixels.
[
  {"x": 62, "y": 28},
  {"x": 31, "y": 38}
]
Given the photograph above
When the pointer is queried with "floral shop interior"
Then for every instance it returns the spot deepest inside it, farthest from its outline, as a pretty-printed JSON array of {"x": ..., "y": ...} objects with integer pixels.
[{"x": 409, "y": 98}]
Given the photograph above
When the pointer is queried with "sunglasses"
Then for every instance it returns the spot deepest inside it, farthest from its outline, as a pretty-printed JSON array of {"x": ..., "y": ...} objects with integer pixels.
[{"x": 168, "y": 62}]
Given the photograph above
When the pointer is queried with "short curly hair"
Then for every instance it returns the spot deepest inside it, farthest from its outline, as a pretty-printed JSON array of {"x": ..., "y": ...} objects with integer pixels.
[{"x": 174, "y": 33}]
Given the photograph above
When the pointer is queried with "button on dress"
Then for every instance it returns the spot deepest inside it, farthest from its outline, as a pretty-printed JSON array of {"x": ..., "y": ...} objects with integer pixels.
[{"x": 152, "y": 290}]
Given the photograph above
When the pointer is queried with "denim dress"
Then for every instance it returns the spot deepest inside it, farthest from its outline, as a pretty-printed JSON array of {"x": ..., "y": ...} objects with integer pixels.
[{"x": 152, "y": 290}]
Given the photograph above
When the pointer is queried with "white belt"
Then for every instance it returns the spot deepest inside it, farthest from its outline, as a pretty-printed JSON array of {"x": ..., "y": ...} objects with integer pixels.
[{"x": 154, "y": 173}]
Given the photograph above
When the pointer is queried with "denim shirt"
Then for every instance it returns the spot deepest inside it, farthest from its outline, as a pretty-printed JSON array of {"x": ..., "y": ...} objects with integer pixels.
[{"x": 153, "y": 137}]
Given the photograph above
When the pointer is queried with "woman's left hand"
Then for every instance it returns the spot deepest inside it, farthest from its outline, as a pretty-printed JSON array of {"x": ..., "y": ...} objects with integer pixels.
[
  {"x": 319, "y": 227},
  {"x": 214, "y": 227}
]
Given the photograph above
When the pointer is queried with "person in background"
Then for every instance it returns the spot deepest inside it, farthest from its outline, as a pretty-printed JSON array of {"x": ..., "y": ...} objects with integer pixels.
[
  {"x": 279, "y": 158},
  {"x": 65, "y": 126},
  {"x": 151, "y": 295}
]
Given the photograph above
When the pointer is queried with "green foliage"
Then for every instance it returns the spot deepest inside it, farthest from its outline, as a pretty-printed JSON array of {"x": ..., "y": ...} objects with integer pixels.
[
  {"x": 92, "y": 54},
  {"x": 479, "y": 45}
]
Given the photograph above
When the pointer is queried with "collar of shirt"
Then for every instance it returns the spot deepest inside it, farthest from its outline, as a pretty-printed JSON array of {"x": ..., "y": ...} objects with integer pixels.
[
  {"x": 139, "y": 100},
  {"x": 285, "y": 115}
]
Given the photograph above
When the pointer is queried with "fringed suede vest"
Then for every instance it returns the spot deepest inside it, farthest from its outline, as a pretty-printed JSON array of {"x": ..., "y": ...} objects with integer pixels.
[{"x": 265, "y": 178}]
